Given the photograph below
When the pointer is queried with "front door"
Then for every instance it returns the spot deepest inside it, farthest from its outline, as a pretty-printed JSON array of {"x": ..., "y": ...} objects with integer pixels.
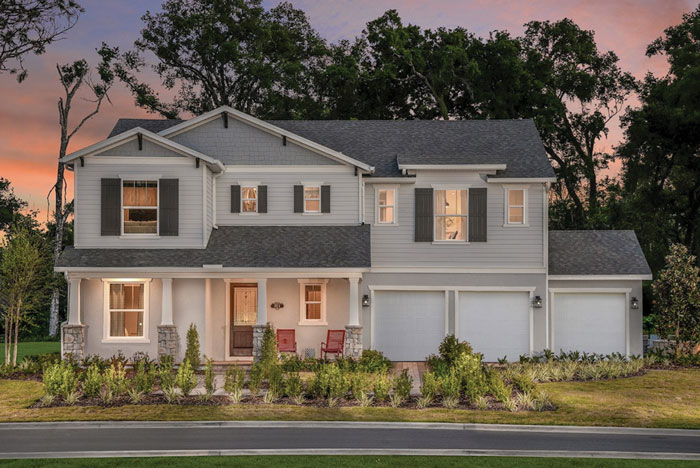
[{"x": 244, "y": 314}]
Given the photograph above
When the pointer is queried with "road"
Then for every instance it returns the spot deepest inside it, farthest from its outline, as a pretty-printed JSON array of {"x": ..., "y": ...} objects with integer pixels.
[{"x": 44, "y": 440}]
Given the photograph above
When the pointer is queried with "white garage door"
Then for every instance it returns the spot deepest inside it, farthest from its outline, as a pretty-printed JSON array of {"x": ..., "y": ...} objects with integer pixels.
[
  {"x": 496, "y": 324},
  {"x": 408, "y": 325},
  {"x": 589, "y": 322}
]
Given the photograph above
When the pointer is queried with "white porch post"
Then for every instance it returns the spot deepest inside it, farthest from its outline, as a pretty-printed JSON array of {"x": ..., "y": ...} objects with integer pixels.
[
  {"x": 262, "y": 301},
  {"x": 354, "y": 302},
  {"x": 74, "y": 301},
  {"x": 166, "y": 317}
]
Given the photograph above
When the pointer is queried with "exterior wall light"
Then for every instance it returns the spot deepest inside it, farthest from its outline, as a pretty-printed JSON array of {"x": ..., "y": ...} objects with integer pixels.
[
  {"x": 634, "y": 303},
  {"x": 277, "y": 305},
  {"x": 365, "y": 301},
  {"x": 537, "y": 302}
]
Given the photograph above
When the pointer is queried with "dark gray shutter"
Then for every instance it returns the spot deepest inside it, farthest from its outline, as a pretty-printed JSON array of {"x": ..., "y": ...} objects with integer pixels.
[
  {"x": 262, "y": 198},
  {"x": 235, "y": 199},
  {"x": 424, "y": 215},
  {"x": 169, "y": 207},
  {"x": 110, "y": 214},
  {"x": 325, "y": 198},
  {"x": 477, "y": 215},
  {"x": 298, "y": 198}
]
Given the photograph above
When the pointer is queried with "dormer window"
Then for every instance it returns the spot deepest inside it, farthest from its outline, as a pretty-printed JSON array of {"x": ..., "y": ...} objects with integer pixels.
[
  {"x": 249, "y": 199},
  {"x": 140, "y": 206}
]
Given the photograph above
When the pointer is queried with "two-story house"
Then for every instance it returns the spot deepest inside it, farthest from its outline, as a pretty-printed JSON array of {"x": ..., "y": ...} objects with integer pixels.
[{"x": 399, "y": 232}]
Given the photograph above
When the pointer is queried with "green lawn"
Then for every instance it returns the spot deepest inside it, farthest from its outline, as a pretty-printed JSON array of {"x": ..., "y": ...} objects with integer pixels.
[
  {"x": 349, "y": 462},
  {"x": 33, "y": 348},
  {"x": 660, "y": 398}
]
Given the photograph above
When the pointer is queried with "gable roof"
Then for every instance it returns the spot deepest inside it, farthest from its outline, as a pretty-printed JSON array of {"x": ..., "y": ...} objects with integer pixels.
[
  {"x": 243, "y": 247},
  {"x": 383, "y": 144},
  {"x": 596, "y": 253},
  {"x": 154, "y": 137},
  {"x": 153, "y": 125}
]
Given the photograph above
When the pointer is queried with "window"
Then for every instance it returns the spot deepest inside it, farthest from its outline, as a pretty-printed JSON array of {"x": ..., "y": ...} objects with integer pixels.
[
  {"x": 313, "y": 302},
  {"x": 249, "y": 199},
  {"x": 312, "y": 199},
  {"x": 516, "y": 206},
  {"x": 140, "y": 206},
  {"x": 451, "y": 215},
  {"x": 386, "y": 205},
  {"x": 126, "y": 310}
]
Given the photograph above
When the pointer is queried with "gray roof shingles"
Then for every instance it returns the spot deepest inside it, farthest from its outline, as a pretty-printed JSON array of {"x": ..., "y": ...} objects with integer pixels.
[
  {"x": 244, "y": 247},
  {"x": 596, "y": 253},
  {"x": 382, "y": 143}
]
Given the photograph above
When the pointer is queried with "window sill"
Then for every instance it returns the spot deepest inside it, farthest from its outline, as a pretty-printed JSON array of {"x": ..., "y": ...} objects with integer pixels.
[
  {"x": 313, "y": 324},
  {"x": 507, "y": 225},
  {"x": 451, "y": 242},
  {"x": 126, "y": 340},
  {"x": 312, "y": 213},
  {"x": 139, "y": 236},
  {"x": 386, "y": 224},
  {"x": 249, "y": 214}
]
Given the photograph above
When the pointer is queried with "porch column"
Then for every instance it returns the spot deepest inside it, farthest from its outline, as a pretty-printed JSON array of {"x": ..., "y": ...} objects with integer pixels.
[
  {"x": 168, "y": 340},
  {"x": 73, "y": 332},
  {"x": 353, "y": 330},
  {"x": 259, "y": 327}
]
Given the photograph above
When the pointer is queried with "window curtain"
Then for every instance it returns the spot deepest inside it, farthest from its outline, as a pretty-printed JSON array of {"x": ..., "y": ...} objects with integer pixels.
[{"x": 440, "y": 209}]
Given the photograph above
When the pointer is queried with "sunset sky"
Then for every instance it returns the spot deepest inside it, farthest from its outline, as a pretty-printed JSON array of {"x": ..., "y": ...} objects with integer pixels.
[{"x": 28, "y": 115}]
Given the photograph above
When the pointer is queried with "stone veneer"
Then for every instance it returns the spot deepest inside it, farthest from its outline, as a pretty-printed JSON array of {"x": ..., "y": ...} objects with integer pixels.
[
  {"x": 353, "y": 341},
  {"x": 73, "y": 338},
  {"x": 258, "y": 333},
  {"x": 168, "y": 341}
]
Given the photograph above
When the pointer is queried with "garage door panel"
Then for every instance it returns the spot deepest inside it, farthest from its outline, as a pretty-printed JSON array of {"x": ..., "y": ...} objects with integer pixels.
[
  {"x": 496, "y": 324},
  {"x": 408, "y": 325},
  {"x": 590, "y": 322}
]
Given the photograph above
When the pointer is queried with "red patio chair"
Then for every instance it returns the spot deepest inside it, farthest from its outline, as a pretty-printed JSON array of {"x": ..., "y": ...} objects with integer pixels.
[
  {"x": 286, "y": 341},
  {"x": 334, "y": 344}
]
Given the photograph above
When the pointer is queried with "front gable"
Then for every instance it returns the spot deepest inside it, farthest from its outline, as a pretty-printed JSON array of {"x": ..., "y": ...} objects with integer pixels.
[{"x": 148, "y": 148}]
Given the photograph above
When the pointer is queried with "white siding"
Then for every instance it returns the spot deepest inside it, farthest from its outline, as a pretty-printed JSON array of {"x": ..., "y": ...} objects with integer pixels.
[
  {"x": 88, "y": 205},
  {"x": 280, "y": 198},
  {"x": 209, "y": 180},
  {"x": 507, "y": 247}
]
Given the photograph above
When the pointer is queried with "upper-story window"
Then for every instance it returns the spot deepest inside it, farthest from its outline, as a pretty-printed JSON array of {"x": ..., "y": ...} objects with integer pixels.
[
  {"x": 516, "y": 206},
  {"x": 312, "y": 199},
  {"x": 386, "y": 205},
  {"x": 140, "y": 206},
  {"x": 249, "y": 199},
  {"x": 451, "y": 215}
]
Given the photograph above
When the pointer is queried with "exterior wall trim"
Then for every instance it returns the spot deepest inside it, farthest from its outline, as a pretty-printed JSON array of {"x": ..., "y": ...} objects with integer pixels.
[
  {"x": 118, "y": 274},
  {"x": 450, "y": 167},
  {"x": 282, "y": 168},
  {"x": 389, "y": 180},
  {"x": 106, "y": 338},
  {"x": 521, "y": 180},
  {"x": 601, "y": 277},
  {"x": 420, "y": 269}
]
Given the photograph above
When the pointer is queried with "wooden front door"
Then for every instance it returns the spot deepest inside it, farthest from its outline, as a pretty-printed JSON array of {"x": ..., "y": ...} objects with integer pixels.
[{"x": 244, "y": 314}]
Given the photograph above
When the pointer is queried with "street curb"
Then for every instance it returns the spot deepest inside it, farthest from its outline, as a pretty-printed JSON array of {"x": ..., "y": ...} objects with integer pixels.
[{"x": 350, "y": 425}]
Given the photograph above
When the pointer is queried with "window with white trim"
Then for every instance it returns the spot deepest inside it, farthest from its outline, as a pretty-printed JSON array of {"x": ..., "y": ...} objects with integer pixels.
[
  {"x": 249, "y": 199},
  {"x": 312, "y": 198},
  {"x": 140, "y": 206},
  {"x": 451, "y": 215},
  {"x": 516, "y": 206},
  {"x": 126, "y": 310},
  {"x": 386, "y": 205},
  {"x": 312, "y": 305}
]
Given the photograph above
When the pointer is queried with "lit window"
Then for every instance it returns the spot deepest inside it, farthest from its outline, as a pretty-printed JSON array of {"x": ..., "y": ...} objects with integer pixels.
[
  {"x": 126, "y": 309},
  {"x": 312, "y": 199},
  {"x": 312, "y": 307},
  {"x": 249, "y": 199},
  {"x": 386, "y": 206},
  {"x": 450, "y": 215},
  {"x": 140, "y": 204},
  {"x": 516, "y": 201}
]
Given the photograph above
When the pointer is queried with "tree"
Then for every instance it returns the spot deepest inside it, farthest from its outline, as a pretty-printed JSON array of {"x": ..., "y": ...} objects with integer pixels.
[
  {"x": 25, "y": 278},
  {"x": 74, "y": 77},
  {"x": 677, "y": 297},
  {"x": 28, "y": 26},
  {"x": 10, "y": 204},
  {"x": 234, "y": 53}
]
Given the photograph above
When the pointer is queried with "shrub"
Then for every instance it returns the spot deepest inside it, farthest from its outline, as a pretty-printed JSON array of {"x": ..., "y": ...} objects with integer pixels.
[
  {"x": 167, "y": 360},
  {"x": 373, "y": 361},
  {"x": 115, "y": 380},
  {"x": 118, "y": 360},
  {"x": 360, "y": 385},
  {"x": 337, "y": 385},
  {"x": 402, "y": 387},
  {"x": 473, "y": 375},
  {"x": 482, "y": 403},
  {"x": 294, "y": 388},
  {"x": 185, "y": 379},
  {"x": 192, "y": 350},
  {"x": 209, "y": 383},
  {"x": 135, "y": 396},
  {"x": 141, "y": 357},
  {"x": 450, "y": 387},
  {"x": 268, "y": 350},
  {"x": 170, "y": 394},
  {"x": 233, "y": 385},
  {"x": 451, "y": 349},
  {"x": 382, "y": 384},
  {"x": 165, "y": 373},
  {"x": 523, "y": 382},
  {"x": 256, "y": 378},
  {"x": 53, "y": 376},
  {"x": 510, "y": 405},
  {"x": 94, "y": 359},
  {"x": 497, "y": 387},
  {"x": 275, "y": 380},
  {"x": 29, "y": 366},
  {"x": 525, "y": 401},
  {"x": 428, "y": 389},
  {"x": 292, "y": 363},
  {"x": 144, "y": 377},
  {"x": 92, "y": 381}
]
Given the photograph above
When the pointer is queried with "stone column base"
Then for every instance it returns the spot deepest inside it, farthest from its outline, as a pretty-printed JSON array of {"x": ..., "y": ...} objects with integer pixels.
[
  {"x": 353, "y": 341},
  {"x": 168, "y": 341},
  {"x": 73, "y": 338},
  {"x": 258, "y": 333}
]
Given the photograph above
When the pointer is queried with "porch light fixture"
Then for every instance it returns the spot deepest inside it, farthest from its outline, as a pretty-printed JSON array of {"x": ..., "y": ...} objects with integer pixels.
[
  {"x": 537, "y": 302},
  {"x": 365, "y": 301},
  {"x": 277, "y": 305},
  {"x": 634, "y": 303}
]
